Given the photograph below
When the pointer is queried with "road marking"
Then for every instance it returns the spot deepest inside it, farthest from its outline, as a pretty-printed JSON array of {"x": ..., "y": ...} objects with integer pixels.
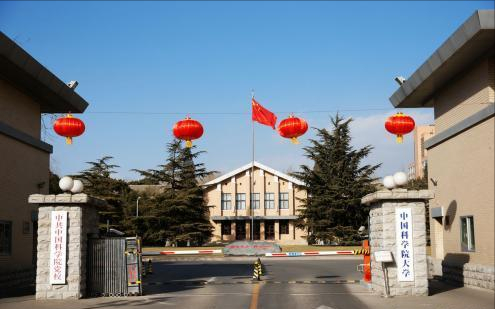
[
  {"x": 255, "y": 296},
  {"x": 212, "y": 281}
]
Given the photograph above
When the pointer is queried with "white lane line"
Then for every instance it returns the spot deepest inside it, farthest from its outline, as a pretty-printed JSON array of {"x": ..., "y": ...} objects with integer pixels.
[{"x": 211, "y": 279}]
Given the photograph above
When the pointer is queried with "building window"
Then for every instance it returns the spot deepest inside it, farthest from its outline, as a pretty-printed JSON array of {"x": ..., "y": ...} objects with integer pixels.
[
  {"x": 283, "y": 200},
  {"x": 240, "y": 201},
  {"x": 5, "y": 237},
  {"x": 283, "y": 226},
  {"x": 226, "y": 201},
  {"x": 467, "y": 234},
  {"x": 255, "y": 201},
  {"x": 270, "y": 200},
  {"x": 226, "y": 228}
]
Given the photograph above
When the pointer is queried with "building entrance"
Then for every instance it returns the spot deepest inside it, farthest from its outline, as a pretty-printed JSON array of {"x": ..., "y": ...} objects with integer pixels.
[
  {"x": 269, "y": 230},
  {"x": 240, "y": 230},
  {"x": 256, "y": 230}
]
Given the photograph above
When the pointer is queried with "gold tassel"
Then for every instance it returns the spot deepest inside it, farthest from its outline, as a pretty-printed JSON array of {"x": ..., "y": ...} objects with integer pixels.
[
  {"x": 399, "y": 138},
  {"x": 188, "y": 144},
  {"x": 68, "y": 140},
  {"x": 294, "y": 140}
]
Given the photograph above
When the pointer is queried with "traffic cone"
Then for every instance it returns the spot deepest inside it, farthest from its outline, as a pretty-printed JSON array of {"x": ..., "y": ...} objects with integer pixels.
[
  {"x": 257, "y": 270},
  {"x": 149, "y": 268},
  {"x": 261, "y": 267},
  {"x": 143, "y": 270}
]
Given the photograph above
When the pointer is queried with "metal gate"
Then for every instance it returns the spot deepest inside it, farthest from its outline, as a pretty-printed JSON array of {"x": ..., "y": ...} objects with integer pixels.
[{"x": 113, "y": 267}]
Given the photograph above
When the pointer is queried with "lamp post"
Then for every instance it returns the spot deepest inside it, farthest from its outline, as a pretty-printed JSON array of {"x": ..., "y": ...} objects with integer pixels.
[{"x": 137, "y": 206}]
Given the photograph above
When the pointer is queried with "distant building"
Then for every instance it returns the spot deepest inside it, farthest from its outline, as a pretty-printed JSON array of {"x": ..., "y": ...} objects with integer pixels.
[
  {"x": 275, "y": 201},
  {"x": 420, "y": 135},
  {"x": 149, "y": 189},
  {"x": 458, "y": 82},
  {"x": 27, "y": 89}
]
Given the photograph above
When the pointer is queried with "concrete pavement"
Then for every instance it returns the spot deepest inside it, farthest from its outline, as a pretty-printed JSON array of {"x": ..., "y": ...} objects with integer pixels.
[{"x": 302, "y": 283}]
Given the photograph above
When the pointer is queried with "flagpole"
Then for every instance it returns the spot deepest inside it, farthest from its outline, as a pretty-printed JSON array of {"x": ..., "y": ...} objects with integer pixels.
[{"x": 252, "y": 173}]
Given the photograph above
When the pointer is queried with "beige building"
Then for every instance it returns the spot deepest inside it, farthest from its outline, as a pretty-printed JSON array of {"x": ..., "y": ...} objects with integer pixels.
[
  {"x": 27, "y": 89},
  {"x": 275, "y": 201},
  {"x": 420, "y": 135},
  {"x": 458, "y": 82}
]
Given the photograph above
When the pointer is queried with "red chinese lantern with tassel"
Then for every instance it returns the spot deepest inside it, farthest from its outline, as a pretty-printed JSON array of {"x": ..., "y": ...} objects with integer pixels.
[
  {"x": 292, "y": 128},
  {"x": 399, "y": 124},
  {"x": 188, "y": 130},
  {"x": 69, "y": 127}
]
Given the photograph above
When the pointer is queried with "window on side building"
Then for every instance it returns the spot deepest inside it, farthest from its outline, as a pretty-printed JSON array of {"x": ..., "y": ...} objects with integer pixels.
[
  {"x": 226, "y": 230},
  {"x": 240, "y": 201},
  {"x": 5, "y": 237},
  {"x": 270, "y": 200},
  {"x": 283, "y": 226},
  {"x": 467, "y": 234},
  {"x": 226, "y": 201},
  {"x": 283, "y": 200},
  {"x": 255, "y": 200}
]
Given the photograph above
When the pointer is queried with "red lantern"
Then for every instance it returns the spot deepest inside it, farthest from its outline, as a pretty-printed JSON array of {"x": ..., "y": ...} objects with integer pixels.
[
  {"x": 399, "y": 124},
  {"x": 292, "y": 128},
  {"x": 69, "y": 127},
  {"x": 188, "y": 130}
]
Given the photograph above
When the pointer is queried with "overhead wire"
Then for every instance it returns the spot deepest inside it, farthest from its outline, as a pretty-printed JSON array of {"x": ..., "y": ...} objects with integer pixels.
[{"x": 234, "y": 113}]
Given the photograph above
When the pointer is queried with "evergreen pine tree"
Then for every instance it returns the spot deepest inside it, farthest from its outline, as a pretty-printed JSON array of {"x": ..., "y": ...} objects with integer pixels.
[
  {"x": 99, "y": 183},
  {"x": 332, "y": 211},
  {"x": 181, "y": 213},
  {"x": 53, "y": 180}
]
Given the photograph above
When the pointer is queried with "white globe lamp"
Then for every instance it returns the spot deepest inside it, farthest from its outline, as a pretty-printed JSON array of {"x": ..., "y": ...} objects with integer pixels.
[
  {"x": 400, "y": 178},
  {"x": 77, "y": 187},
  {"x": 388, "y": 182},
  {"x": 66, "y": 183}
]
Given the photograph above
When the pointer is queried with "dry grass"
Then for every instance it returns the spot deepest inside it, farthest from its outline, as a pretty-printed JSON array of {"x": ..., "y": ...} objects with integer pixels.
[
  {"x": 296, "y": 248},
  {"x": 285, "y": 248},
  {"x": 178, "y": 248}
]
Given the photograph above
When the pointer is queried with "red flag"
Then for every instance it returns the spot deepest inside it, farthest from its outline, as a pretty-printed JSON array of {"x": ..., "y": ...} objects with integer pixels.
[{"x": 262, "y": 115}]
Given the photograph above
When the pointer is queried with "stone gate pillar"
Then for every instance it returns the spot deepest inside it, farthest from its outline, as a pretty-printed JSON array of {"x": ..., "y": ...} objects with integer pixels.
[
  {"x": 398, "y": 225},
  {"x": 64, "y": 223}
]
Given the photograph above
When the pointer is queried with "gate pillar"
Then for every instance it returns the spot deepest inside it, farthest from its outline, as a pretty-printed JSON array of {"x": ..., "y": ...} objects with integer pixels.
[
  {"x": 398, "y": 225},
  {"x": 64, "y": 223}
]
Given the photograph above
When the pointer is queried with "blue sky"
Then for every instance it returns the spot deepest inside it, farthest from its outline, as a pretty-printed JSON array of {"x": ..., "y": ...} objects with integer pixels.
[{"x": 205, "y": 57}]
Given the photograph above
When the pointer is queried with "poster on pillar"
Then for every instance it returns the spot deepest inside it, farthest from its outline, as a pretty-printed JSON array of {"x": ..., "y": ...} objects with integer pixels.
[
  {"x": 404, "y": 238},
  {"x": 58, "y": 247}
]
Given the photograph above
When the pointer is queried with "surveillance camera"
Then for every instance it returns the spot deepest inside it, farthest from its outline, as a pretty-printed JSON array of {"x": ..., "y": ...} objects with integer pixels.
[
  {"x": 361, "y": 229},
  {"x": 73, "y": 84},
  {"x": 400, "y": 80}
]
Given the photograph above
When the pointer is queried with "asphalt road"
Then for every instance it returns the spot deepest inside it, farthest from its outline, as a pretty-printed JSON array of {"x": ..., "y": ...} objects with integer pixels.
[
  {"x": 301, "y": 283},
  {"x": 297, "y": 283}
]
